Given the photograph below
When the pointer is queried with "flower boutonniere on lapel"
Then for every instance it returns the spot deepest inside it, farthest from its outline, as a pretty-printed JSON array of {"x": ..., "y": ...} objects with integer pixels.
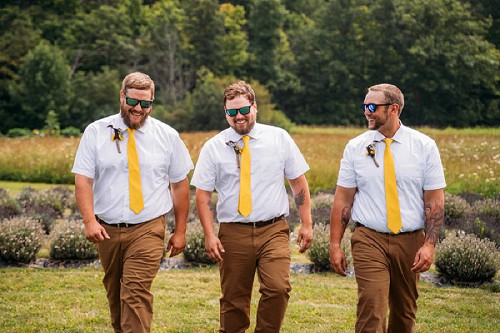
[
  {"x": 116, "y": 137},
  {"x": 237, "y": 150},
  {"x": 370, "y": 151}
]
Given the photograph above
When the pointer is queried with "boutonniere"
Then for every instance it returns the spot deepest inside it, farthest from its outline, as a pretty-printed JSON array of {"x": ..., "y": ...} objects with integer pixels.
[
  {"x": 116, "y": 137},
  {"x": 370, "y": 151},
  {"x": 237, "y": 150}
]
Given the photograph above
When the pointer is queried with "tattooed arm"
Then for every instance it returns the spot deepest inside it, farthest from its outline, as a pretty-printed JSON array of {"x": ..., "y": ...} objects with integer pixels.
[
  {"x": 434, "y": 220},
  {"x": 213, "y": 246},
  {"x": 339, "y": 218},
  {"x": 302, "y": 199}
]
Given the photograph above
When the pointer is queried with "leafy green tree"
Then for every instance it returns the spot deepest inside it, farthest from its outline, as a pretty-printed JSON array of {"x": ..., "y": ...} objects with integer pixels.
[
  {"x": 95, "y": 95},
  {"x": 167, "y": 58},
  {"x": 234, "y": 43},
  {"x": 44, "y": 85},
  {"x": 205, "y": 29}
]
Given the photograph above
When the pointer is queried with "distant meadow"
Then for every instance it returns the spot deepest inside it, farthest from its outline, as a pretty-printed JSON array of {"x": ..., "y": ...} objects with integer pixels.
[{"x": 471, "y": 157}]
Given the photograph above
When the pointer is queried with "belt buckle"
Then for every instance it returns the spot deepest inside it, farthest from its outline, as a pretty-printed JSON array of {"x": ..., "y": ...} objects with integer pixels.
[{"x": 254, "y": 224}]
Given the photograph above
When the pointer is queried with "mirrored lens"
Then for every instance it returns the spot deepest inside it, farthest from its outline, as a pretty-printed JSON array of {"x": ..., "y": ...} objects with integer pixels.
[
  {"x": 146, "y": 104},
  {"x": 131, "y": 101},
  {"x": 245, "y": 110},
  {"x": 232, "y": 112}
]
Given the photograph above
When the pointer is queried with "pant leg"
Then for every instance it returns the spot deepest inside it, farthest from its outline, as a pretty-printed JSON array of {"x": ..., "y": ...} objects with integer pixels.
[
  {"x": 110, "y": 256},
  {"x": 371, "y": 267},
  {"x": 142, "y": 258},
  {"x": 403, "y": 292},
  {"x": 273, "y": 269},
  {"x": 237, "y": 271}
]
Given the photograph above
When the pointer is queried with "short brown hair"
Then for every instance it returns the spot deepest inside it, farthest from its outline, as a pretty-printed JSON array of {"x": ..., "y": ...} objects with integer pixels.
[
  {"x": 392, "y": 94},
  {"x": 138, "y": 80},
  {"x": 240, "y": 88}
]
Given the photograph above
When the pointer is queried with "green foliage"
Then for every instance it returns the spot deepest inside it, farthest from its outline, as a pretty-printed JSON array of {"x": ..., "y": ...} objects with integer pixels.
[
  {"x": 321, "y": 208},
  {"x": 20, "y": 239},
  {"x": 463, "y": 258},
  {"x": 44, "y": 86},
  {"x": 69, "y": 242},
  {"x": 195, "y": 244},
  {"x": 19, "y": 132},
  {"x": 319, "y": 252},
  {"x": 52, "y": 126},
  {"x": 70, "y": 132},
  {"x": 203, "y": 109}
]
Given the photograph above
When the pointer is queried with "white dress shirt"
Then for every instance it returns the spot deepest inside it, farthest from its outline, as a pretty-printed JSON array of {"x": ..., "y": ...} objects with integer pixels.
[
  {"x": 274, "y": 156},
  {"x": 163, "y": 159},
  {"x": 418, "y": 168}
]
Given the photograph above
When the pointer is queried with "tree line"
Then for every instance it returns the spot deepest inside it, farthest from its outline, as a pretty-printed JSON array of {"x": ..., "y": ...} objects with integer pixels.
[{"x": 310, "y": 61}]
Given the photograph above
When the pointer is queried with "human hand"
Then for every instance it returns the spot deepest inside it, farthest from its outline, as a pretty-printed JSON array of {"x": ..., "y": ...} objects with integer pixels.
[
  {"x": 305, "y": 238},
  {"x": 214, "y": 248},
  {"x": 423, "y": 258},
  {"x": 95, "y": 232},
  {"x": 337, "y": 260},
  {"x": 176, "y": 244}
]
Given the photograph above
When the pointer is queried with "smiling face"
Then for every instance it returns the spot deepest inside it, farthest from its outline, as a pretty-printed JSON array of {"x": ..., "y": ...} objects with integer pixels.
[
  {"x": 135, "y": 116},
  {"x": 242, "y": 124}
]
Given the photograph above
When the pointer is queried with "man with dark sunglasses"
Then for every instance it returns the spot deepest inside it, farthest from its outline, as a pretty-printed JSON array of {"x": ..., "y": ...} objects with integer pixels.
[
  {"x": 247, "y": 164},
  {"x": 123, "y": 168},
  {"x": 390, "y": 184}
]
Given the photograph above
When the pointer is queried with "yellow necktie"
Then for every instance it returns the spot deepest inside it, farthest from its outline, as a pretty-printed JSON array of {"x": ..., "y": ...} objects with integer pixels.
[
  {"x": 245, "y": 199},
  {"x": 391, "y": 191},
  {"x": 134, "y": 175}
]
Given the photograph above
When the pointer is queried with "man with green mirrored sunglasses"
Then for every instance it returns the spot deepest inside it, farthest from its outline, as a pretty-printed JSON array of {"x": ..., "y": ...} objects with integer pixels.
[{"x": 124, "y": 167}]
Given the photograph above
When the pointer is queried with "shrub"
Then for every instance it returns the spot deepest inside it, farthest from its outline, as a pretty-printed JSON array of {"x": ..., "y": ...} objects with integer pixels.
[
  {"x": 487, "y": 207},
  {"x": 9, "y": 207},
  {"x": 70, "y": 242},
  {"x": 19, "y": 132},
  {"x": 70, "y": 131},
  {"x": 319, "y": 252},
  {"x": 20, "y": 239},
  {"x": 195, "y": 244},
  {"x": 455, "y": 207},
  {"x": 463, "y": 258},
  {"x": 321, "y": 207}
]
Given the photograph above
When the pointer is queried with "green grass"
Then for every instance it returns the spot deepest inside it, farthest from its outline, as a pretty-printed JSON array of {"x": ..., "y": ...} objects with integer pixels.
[{"x": 73, "y": 300}]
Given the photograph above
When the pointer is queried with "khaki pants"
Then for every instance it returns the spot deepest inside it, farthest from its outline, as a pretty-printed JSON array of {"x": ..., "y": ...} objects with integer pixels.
[
  {"x": 382, "y": 265},
  {"x": 131, "y": 259},
  {"x": 247, "y": 249}
]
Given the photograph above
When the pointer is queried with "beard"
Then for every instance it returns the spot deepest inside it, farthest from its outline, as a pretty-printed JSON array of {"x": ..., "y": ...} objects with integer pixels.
[
  {"x": 125, "y": 111},
  {"x": 378, "y": 122}
]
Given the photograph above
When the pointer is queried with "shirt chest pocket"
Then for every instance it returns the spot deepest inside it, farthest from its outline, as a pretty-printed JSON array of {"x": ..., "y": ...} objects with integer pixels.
[
  {"x": 155, "y": 165},
  {"x": 271, "y": 168},
  {"x": 409, "y": 175}
]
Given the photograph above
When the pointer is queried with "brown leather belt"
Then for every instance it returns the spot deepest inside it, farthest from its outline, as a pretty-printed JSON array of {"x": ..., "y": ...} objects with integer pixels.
[{"x": 261, "y": 224}]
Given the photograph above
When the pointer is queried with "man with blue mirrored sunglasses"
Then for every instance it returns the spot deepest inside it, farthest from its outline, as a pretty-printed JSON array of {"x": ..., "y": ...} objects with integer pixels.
[{"x": 390, "y": 184}]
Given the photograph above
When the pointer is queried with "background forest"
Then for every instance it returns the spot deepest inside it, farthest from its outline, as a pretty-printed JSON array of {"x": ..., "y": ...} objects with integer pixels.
[{"x": 310, "y": 61}]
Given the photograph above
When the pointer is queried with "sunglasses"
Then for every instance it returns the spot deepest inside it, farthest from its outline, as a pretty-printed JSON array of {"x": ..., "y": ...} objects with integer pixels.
[
  {"x": 373, "y": 107},
  {"x": 243, "y": 111},
  {"x": 145, "y": 104}
]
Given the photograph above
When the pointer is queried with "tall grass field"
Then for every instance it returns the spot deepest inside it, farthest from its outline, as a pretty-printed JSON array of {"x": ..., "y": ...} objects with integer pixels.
[{"x": 471, "y": 157}]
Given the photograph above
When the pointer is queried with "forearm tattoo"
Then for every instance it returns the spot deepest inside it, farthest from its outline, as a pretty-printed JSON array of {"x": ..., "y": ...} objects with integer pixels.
[
  {"x": 346, "y": 216},
  {"x": 300, "y": 199},
  {"x": 434, "y": 220},
  {"x": 209, "y": 204}
]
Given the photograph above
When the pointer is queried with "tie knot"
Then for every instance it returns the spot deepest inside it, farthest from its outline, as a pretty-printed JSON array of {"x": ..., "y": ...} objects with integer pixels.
[
  {"x": 245, "y": 138},
  {"x": 387, "y": 141},
  {"x": 130, "y": 131}
]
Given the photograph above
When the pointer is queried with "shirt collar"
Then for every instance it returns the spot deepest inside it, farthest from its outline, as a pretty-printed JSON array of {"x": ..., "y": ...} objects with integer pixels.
[{"x": 398, "y": 136}]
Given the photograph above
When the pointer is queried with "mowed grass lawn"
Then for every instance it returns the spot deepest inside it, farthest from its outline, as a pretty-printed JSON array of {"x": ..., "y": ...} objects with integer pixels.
[{"x": 73, "y": 300}]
